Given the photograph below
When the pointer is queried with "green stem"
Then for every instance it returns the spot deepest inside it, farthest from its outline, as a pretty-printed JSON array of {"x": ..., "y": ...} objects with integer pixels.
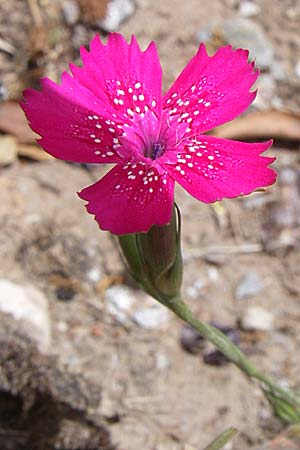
[{"x": 278, "y": 396}]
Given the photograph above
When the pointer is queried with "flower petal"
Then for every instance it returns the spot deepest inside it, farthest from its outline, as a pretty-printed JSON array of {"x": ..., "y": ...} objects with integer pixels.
[
  {"x": 211, "y": 90},
  {"x": 73, "y": 123},
  {"x": 131, "y": 198},
  {"x": 122, "y": 75},
  {"x": 210, "y": 168}
]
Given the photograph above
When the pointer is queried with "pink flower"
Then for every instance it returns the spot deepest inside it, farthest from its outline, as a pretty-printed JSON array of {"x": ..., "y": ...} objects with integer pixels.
[{"x": 112, "y": 111}]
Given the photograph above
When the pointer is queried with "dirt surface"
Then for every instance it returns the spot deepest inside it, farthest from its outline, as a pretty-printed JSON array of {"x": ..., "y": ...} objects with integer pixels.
[{"x": 155, "y": 395}]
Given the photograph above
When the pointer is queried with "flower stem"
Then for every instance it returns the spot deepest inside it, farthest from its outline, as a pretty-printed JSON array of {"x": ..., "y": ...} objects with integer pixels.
[{"x": 285, "y": 402}]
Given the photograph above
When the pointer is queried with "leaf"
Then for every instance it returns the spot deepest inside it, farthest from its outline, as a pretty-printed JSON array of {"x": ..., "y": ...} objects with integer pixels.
[
  {"x": 262, "y": 124},
  {"x": 222, "y": 439}
]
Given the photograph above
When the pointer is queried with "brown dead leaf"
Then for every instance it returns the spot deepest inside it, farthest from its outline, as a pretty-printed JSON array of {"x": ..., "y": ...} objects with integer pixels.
[
  {"x": 92, "y": 11},
  {"x": 33, "y": 152},
  {"x": 262, "y": 124},
  {"x": 13, "y": 121}
]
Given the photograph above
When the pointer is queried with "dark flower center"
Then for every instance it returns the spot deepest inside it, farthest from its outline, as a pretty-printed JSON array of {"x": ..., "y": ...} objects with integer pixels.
[{"x": 157, "y": 150}]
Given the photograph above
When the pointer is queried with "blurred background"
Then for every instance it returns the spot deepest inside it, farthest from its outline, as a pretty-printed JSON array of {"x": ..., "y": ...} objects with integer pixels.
[{"x": 87, "y": 361}]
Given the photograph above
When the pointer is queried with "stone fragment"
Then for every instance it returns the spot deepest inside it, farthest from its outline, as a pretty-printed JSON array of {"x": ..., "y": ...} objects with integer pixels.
[
  {"x": 256, "y": 318},
  {"x": 248, "y": 286},
  {"x": 120, "y": 296},
  {"x": 151, "y": 318},
  {"x": 191, "y": 340},
  {"x": 3, "y": 92},
  {"x": 119, "y": 300},
  {"x": 297, "y": 69},
  {"x": 70, "y": 12},
  {"x": 249, "y": 9},
  {"x": 29, "y": 305},
  {"x": 117, "y": 12}
]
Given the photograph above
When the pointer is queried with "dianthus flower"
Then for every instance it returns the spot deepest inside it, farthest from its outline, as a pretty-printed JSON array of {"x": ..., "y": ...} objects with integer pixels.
[{"x": 112, "y": 111}]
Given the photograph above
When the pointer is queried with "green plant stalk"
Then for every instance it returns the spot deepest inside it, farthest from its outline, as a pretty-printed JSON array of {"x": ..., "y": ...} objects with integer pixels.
[
  {"x": 285, "y": 403},
  {"x": 222, "y": 440},
  {"x": 154, "y": 259}
]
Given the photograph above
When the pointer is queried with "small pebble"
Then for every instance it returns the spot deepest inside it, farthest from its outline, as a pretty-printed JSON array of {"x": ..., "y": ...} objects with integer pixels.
[
  {"x": 214, "y": 357},
  {"x": 193, "y": 291},
  {"x": 120, "y": 296},
  {"x": 65, "y": 293},
  {"x": 119, "y": 300},
  {"x": 3, "y": 92},
  {"x": 191, "y": 340},
  {"x": 151, "y": 318},
  {"x": 162, "y": 361},
  {"x": 94, "y": 275},
  {"x": 249, "y": 9},
  {"x": 27, "y": 304},
  {"x": 255, "y": 318},
  {"x": 70, "y": 12},
  {"x": 117, "y": 12},
  {"x": 248, "y": 286},
  {"x": 213, "y": 274},
  {"x": 297, "y": 70}
]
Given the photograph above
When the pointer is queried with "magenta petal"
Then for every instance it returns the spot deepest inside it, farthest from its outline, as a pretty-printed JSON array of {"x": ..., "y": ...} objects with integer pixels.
[
  {"x": 73, "y": 123},
  {"x": 211, "y": 169},
  {"x": 131, "y": 198},
  {"x": 211, "y": 90},
  {"x": 122, "y": 75}
]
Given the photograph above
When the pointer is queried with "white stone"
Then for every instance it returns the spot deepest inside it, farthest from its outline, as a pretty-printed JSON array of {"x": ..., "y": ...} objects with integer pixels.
[
  {"x": 119, "y": 300},
  {"x": 249, "y": 9},
  {"x": 248, "y": 286},
  {"x": 122, "y": 297},
  {"x": 194, "y": 290},
  {"x": 117, "y": 12},
  {"x": 28, "y": 304},
  {"x": 297, "y": 69},
  {"x": 151, "y": 318},
  {"x": 257, "y": 318},
  {"x": 94, "y": 275},
  {"x": 162, "y": 361},
  {"x": 71, "y": 12}
]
